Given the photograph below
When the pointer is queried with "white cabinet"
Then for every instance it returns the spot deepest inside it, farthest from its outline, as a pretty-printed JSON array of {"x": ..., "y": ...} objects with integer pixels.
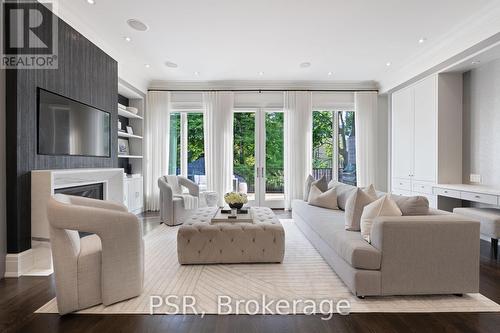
[
  {"x": 133, "y": 194},
  {"x": 402, "y": 133},
  {"x": 427, "y": 135}
]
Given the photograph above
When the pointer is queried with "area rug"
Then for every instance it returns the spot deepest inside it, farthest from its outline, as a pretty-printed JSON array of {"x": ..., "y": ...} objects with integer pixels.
[{"x": 303, "y": 275}]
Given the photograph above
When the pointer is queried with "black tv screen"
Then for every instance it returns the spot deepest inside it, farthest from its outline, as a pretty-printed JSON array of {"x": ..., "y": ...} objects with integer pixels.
[{"x": 68, "y": 127}]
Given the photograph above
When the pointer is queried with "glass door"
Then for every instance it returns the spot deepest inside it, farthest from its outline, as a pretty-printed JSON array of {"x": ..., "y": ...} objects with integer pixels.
[{"x": 258, "y": 156}]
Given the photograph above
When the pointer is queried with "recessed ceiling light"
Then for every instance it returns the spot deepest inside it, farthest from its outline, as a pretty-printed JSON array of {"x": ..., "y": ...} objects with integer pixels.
[
  {"x": 422, "y": 40},
  {"x": 91, "y": 2},
  {"x": 305, "y": 64},
  {"x": 330, "y": 73},
  {"x": 475, "y": 62},
  {"x": 171, "y": 64},
  {"x": 127, "y": 39},
  {"x": 388, "y": 63},
  {"x": 137, "y": 25},
  {"x": 261, "y": 73},
  {"x": 196, "y": 73},
  {"x": 147, "y": 65}
]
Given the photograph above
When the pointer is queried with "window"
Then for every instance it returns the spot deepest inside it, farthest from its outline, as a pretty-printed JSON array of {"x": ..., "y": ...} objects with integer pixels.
[
  {"x": 187, "y": 150},
  {"x": 334, "y": 144}
]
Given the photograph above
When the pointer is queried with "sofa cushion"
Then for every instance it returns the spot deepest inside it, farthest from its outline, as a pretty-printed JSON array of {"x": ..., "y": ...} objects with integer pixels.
[
  {"x": 329, "y": 225},
  {"x": 326, "y": 199},
  {"x": 410, "y": 206},
  {"x": 343, "y": 192},
  {"x": 354, "y": 208}
]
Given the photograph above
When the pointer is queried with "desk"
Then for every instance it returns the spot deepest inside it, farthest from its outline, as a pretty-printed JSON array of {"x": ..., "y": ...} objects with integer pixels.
[{"x": 475, "y": 193}]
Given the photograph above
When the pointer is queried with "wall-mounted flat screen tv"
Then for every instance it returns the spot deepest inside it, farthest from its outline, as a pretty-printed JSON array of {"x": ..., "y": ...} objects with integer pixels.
[{"x": 68, "y": 127}]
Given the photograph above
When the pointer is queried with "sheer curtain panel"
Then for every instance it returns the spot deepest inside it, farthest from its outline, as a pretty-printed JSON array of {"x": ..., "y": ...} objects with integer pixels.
[{"x": 157, "y": 145}]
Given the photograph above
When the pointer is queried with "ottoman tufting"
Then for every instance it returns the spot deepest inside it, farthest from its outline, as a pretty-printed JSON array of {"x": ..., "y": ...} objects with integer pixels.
[{"x": 200, "y": 242}]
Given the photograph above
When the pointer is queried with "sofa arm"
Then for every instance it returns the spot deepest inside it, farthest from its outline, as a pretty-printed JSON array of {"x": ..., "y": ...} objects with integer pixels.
[{"x": 432, "y": 254}]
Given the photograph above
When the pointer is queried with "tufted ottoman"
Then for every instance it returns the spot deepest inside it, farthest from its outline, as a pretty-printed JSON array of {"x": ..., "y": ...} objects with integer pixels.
[{"x": 200, "y": 242}]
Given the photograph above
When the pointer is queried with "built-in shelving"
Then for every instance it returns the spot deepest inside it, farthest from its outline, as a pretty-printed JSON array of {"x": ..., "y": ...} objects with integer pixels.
[
  {"x": 128, "y": 114},
  {"x": 128, "y": 135},
  {"x": 129, "y": 156}
]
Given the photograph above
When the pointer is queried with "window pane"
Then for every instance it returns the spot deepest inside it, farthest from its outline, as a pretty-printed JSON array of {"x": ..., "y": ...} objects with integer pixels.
[
  {"x": 347, "y": 147},
  {"x": 323, "y": 144},
  {"x": 196, "y": 150},
  {"x": 244, "y": 151},
  {"x": 274, "y": 156},
  {"x": 174, "y": 165}
]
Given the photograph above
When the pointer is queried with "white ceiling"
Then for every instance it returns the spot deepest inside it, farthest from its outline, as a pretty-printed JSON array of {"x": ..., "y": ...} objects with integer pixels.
[{"x": 236, "y": 39}]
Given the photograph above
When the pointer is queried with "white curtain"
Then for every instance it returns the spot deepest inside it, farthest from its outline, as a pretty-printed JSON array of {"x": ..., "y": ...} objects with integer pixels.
[
  {"x": 157, "y": 145},
  {"x": 298, "y": 143},
  {"x": 218, "y": 125},
  {"x": 365, "y": 105}
]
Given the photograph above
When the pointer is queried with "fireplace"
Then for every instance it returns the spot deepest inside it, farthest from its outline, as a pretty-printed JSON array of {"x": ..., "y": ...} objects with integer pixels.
[{"x": 93, "y": 191}]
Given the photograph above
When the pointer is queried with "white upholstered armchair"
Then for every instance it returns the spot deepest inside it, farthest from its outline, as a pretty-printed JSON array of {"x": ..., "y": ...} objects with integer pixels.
[
  {"x": 175, "y": 204},
  {"x": 106, "y": 267}
]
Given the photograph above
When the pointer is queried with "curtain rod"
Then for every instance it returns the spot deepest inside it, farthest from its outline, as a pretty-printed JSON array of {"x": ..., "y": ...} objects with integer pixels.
[{"x": 264, "y": 90}]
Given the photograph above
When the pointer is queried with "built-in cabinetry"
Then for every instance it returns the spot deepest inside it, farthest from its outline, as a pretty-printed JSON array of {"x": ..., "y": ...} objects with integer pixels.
[
  {"x": 427, "y": 136},
  {"x": 131, "y": 161},
  {"x": 133, "y": 194}
]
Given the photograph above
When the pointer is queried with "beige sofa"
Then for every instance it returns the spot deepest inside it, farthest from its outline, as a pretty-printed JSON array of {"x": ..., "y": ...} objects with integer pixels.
[{"x": 436, "y": 253}]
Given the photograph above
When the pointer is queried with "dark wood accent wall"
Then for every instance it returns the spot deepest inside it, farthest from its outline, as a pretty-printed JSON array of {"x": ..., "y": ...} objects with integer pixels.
[{"x": 85, "y": 74}]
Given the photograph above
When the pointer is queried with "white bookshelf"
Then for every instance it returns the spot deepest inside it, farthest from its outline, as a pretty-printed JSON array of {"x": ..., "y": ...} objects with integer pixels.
[{"x": 133, "y": 187}]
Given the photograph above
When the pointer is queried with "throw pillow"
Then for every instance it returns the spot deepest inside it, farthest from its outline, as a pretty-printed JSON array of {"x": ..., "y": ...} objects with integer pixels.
[
  {"x": 416, "y": 205},
  {"x": 384, "y": 206},
  {"x": 370, "y": 190},
  {"x": 326, "y": 199},
  {"x": 307, "y": 186},
  {"x": 354, "y": 208},
  {"x": 321, "y": 183}
]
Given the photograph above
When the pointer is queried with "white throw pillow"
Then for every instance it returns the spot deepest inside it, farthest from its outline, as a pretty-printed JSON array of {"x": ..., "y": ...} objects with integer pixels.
[
  {"x": 384, "y": 206},
  {"x": 370, "y": 190},
  {"x": 354, "y": 207},
  {"x": 327, "y": 199}
]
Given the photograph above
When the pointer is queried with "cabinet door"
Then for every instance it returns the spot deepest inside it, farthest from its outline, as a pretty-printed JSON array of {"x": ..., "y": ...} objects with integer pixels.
[
  {"x": 402, "y": 133},
  {"x": 132, "y": 202},
  {"x": 425, "y": 158},
  {"x": 138, "y": 193},
  {"x": 125, "y": 193}
]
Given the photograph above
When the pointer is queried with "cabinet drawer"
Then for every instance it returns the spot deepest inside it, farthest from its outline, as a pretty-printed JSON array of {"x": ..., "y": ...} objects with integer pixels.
[
  {"x": 422, "y": 187},
  {"x": 401, "y": 184},
  {"x": 396, "y": 191},
  {"x": 478, "y": 197},
  {"x": 446, "y": 193}
]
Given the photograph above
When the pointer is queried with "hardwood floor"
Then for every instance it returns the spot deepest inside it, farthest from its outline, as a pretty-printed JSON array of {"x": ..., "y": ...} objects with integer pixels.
[{"x": 19, "y": 298}]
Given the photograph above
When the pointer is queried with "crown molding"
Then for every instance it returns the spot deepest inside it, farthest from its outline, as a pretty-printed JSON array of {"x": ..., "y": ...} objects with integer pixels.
[
  {"x": 438, "y": 54},
  {"x": 264, "y": 85}
]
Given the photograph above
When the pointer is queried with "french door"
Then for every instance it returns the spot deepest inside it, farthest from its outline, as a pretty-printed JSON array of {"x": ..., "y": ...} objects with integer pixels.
[{"x": 259, "y": 156}]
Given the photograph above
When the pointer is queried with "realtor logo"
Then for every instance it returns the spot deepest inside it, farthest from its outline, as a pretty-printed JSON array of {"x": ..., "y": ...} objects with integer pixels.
[{"x": 30, "y": 35}]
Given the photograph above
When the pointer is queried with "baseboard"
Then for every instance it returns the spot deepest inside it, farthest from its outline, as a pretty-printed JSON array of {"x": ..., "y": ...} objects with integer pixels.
[
  {"x": 36, "y": 261},
  {"x": 17, "y": 264}
]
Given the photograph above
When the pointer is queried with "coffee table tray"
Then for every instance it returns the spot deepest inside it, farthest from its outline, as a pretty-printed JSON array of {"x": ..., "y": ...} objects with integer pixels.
[{"x": 220, "y": 217}]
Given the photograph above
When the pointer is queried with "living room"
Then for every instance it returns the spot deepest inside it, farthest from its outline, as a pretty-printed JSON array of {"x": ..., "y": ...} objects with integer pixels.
[{"x": 249, "y": 165}]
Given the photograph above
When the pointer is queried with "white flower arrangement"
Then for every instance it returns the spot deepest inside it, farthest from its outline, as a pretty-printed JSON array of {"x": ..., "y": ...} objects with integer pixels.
[{"x": 232, "y": 198}]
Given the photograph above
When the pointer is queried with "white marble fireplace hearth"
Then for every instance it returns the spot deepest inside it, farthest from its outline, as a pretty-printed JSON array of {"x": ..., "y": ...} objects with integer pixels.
[{"x": 37, "y": 261}]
